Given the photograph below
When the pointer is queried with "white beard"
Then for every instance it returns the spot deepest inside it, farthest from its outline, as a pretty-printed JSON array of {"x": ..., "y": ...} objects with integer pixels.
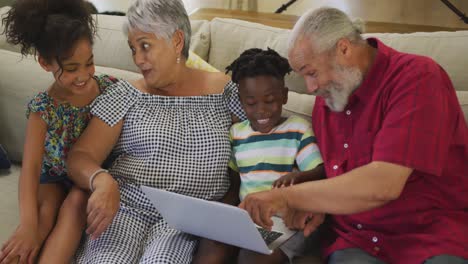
[{"x": 339, "y": 90}]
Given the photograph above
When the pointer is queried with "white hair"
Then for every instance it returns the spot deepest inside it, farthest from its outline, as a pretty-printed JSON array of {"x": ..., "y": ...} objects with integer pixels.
[
  {"x": 161, "y": 17},
  {"x": 324, "y": 27}
]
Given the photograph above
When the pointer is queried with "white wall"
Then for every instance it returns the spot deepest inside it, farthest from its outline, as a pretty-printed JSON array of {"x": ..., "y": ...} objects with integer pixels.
[
  {"x": 190, "y": 5},
  {"x": 422, "y": 12},
  {"x": 111, "y": 5}
]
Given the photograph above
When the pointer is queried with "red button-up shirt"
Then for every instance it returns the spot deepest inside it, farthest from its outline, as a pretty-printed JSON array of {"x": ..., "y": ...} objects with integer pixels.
[{"x": 405, "y": 112}]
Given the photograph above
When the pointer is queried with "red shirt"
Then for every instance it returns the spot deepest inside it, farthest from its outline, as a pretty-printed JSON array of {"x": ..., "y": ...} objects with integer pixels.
[{"x": 405, "y": 112}]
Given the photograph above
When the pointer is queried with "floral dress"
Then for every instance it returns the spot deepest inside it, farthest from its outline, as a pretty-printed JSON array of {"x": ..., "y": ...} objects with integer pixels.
[{"x": 65, "y": 123}]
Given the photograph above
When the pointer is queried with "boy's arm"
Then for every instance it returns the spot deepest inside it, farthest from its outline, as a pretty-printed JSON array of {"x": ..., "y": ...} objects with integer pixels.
[
  {"x": 296, "y": 177},
  {"x": 232, "y": 195}
]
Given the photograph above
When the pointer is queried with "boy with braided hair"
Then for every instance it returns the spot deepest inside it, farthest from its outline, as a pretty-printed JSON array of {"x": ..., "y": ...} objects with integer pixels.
[{"x": 267, "y": 148}]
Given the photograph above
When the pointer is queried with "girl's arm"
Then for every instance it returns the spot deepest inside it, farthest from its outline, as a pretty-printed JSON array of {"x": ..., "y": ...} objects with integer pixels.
[
  {"x": 31, "y": 169},
  {"x": 25, "y": 242},
  {"x": 85, "y": 159}
]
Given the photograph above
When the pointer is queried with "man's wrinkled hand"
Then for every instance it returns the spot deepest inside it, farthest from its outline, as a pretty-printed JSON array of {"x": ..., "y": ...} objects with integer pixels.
[
  {"x": 306, "y": 221},
  {"x": 261, "y": 206}
]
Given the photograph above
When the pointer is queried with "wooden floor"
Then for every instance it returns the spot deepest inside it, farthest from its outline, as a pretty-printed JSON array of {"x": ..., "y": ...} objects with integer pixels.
[{"x": 288, "y": 21}]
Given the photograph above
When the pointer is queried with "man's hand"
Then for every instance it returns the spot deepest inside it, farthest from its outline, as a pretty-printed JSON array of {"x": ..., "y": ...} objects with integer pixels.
[
  {"x": 23, "y": 244},
  {"x": 263, "y": 205},
  {"x": 306, "y": 221},
  {"x": 103, "y": 204}
]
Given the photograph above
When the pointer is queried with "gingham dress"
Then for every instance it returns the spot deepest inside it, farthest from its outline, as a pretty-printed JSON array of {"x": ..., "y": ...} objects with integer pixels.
[{"x": 180, "y": 144}]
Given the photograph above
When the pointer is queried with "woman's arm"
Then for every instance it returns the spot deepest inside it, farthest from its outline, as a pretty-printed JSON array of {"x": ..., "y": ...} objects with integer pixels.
[
  {"x": 90, "y": 151},
  {"x": 84, "y": 159}
]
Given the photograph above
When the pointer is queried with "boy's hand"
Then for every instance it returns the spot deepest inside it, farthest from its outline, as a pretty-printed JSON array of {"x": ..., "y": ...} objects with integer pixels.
[
  {"x": 288, "y": 179},
  {"x": 24, "y": 243}
]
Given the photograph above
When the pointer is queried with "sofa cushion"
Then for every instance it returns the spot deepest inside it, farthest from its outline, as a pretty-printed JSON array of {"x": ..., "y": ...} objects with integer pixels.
[
  {"x": 200, "y": 40},
  {"x": 449, "y": 49},
  {"x": 446, "y": 48},
  {"x": 16, "y": 78},
  {"x": 111, "y": 47},
  {"x": 236, "y": 36},
  {"x": 463, "y": 99},
  {"x": 194, "y": 61}
]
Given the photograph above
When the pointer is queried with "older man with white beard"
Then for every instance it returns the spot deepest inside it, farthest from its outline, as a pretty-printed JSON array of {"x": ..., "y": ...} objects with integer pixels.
[{"x": 395, "y": 146}]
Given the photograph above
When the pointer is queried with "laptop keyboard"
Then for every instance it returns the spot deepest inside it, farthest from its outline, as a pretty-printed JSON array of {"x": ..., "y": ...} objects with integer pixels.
[{"x": 269, "y": 236}]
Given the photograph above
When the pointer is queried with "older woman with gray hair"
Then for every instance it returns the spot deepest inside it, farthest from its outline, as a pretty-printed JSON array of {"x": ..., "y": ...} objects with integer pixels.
[{"x": 168, "y": 130}]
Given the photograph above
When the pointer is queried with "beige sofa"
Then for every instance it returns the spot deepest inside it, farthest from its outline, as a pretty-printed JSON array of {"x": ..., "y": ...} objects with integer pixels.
[{"x": 218, "y": 42}]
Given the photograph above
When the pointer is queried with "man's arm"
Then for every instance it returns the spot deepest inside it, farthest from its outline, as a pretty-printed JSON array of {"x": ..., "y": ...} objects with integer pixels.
[
  {"x": 361, "y": 189},
  {"x": 358, "y": 190}
]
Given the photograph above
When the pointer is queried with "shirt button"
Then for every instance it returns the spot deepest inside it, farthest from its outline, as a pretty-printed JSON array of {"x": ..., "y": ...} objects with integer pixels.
[
  {"x": 348, "y": 112},
  {"x": 375, "y": 239},
  {"x": 359, "y": 226},
  {"x": 335, "y": 167},
  {"x": 345, "y": 145},
  {"x": 376, "y": 248}
]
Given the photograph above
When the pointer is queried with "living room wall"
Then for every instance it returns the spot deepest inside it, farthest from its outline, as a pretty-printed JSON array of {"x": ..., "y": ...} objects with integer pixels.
[{"x": 421, "y": 12}]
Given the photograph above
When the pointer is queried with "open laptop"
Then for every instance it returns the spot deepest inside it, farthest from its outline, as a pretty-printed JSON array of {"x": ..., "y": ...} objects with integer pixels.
[{"x": 217, "y": 221}]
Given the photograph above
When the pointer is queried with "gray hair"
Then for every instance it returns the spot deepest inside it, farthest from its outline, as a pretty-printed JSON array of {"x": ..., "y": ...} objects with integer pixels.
[
  {"x": 161, "y": 17},
  {"x": 324, "y": 27}
]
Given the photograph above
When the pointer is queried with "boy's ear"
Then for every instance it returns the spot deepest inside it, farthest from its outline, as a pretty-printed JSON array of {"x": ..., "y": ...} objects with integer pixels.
[
  {"x": 285, "y": 95},
  {"x": 44, "y": 64}
]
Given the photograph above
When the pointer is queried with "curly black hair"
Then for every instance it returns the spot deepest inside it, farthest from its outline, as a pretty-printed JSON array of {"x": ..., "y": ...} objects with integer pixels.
[
  {"x": 48, "y": 27},
  {"x": 256, "y": 62}
]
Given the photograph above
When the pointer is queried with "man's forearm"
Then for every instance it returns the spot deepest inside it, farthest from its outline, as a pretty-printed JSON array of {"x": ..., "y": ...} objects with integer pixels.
[{"x": 359, "y": 190}]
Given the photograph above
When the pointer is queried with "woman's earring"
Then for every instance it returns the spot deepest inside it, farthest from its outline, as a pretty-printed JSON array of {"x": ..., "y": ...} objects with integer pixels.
[{"x": 178, "y": 60}]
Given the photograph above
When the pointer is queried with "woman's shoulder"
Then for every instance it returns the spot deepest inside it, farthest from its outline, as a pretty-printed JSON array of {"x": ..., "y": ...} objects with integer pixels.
[{"x": 215, "y": 82}]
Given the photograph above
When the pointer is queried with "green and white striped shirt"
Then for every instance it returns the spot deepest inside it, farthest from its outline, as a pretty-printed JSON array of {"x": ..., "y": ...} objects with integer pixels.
[{"x": 262, "y": 158}]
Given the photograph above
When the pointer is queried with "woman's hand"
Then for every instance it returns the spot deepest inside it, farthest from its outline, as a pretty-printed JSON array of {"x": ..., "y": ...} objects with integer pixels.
[
  {"x": 103, "y": 204},
  {"x": 24, "y": 243}
]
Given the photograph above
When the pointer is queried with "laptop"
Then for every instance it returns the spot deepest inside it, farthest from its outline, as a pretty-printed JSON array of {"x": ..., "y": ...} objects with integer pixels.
[{"x": 217, "y": 221}]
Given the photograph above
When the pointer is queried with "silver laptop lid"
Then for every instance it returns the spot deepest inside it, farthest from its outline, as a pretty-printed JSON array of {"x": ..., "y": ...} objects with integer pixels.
[{"x": 209, "y": 219}]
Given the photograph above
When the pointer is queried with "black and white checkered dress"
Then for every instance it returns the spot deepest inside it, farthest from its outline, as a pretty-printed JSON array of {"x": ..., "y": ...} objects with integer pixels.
[{"x": 180, "y": 144}]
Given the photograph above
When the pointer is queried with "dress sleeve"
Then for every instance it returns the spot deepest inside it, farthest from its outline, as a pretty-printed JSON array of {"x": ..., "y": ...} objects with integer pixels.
[
  {"x": 231, "y": 93},
  {"x": 115, "y": 102},
  {"x": 104, "y": 81},
  {"x": 40, "y": 104}
]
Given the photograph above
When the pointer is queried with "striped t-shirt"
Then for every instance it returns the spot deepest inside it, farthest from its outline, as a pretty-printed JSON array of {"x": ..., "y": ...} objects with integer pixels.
[{"x": 262, "y": 158}]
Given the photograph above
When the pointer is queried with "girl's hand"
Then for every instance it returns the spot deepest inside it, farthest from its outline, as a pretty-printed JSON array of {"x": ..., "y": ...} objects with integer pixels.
[
  {"x": 103, "y": 204},
  {"x": 24, "y": 243},
  {"x": 288, "y": 179}
]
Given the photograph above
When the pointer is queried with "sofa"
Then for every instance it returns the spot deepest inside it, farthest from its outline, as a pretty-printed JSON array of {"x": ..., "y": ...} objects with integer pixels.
[{"x": 218, "y": 42}]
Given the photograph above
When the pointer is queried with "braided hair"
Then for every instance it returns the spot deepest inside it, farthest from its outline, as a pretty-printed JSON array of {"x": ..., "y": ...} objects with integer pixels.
[
  {"x": 257, "y": 62},
  {"x": 48, "y": 27}
]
